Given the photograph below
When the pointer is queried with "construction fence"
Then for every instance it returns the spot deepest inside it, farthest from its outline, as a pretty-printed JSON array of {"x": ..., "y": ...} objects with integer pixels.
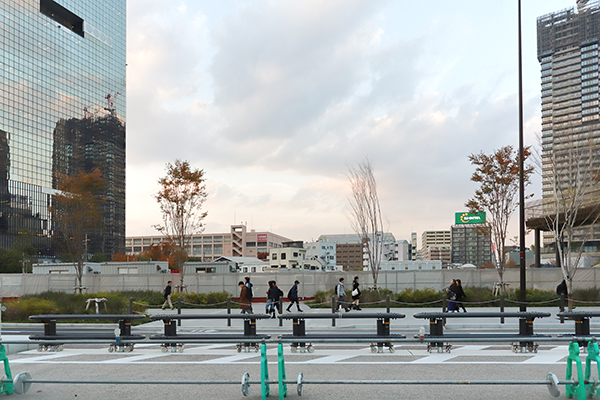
[{"x": 17, "y": 285}]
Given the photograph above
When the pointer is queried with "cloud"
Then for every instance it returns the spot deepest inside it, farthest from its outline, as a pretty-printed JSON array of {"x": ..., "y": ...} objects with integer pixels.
[{"x": 276, "y": 99}]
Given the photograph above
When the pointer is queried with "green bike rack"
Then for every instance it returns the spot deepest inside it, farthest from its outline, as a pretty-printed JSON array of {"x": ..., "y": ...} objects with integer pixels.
[
  {"x": 281, "y": 368},
  {"x": 593, "y": 355},
  {"x": 264, "y": 372},
  {"x": 6, "y": 387},
  {"x": 572, "y": 390}
]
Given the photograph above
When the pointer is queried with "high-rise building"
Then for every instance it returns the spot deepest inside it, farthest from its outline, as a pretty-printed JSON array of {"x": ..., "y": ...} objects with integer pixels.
[
  {"x": 471, "y": 244},
  {"x": 63, "y": 75},
  {"x": 437, "y": 245},
  {"x": 567, "y": 49}
]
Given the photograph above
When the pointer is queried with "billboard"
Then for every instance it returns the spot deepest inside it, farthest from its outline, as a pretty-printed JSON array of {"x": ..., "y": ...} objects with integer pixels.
[
  {"x": 261, "y": 237},
  {"x": 462, "y": 218}
]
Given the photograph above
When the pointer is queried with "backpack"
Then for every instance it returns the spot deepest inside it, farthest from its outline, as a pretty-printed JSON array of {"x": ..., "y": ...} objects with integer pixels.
[{"x": 289, "y": 295}]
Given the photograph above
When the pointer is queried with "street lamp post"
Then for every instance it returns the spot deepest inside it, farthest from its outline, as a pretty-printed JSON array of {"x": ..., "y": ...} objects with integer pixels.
[{"x": 523, "y": 286}]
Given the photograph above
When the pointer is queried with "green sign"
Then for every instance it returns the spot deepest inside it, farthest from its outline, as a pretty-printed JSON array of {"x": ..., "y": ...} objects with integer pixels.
[{"x": 462, "y": 218}]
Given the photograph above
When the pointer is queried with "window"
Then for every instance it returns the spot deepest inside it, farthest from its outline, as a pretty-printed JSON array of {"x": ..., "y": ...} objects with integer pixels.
[
  {"x": 250, "y": 244},
  {"x": 274, "y": 256},
  {"x": 283, "y": 256}
]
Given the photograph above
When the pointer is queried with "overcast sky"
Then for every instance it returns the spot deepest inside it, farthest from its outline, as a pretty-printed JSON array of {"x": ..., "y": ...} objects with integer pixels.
[{"x": 275, "y": 99}]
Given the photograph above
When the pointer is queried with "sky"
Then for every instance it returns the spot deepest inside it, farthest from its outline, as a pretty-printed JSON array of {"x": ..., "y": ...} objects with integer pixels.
[{"x": 276, "y": 100}]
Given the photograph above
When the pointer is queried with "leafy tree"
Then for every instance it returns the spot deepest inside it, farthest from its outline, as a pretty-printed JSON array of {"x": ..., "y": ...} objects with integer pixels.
[
  {"x": 98, "y": 258},
  {"x": 498, "y": 194},
  {"x": 77, "y": 213},
  {"x": 366, "y": 218},
  {"x": 124, "y": 257},
  {"x": 164, "y": 251},
  {"x": 181, "y": 197},
  {"x": 10, "y": 261}
]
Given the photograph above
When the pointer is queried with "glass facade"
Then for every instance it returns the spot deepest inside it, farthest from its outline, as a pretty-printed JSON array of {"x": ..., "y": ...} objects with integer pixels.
[{"x": 62, "y": 78}]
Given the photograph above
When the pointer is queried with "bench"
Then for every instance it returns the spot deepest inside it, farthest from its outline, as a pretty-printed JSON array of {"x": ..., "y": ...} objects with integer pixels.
[
  {"x": 299, "y": 338},
  {"x": 52, "y": 338},
  {"x": 582, "y": 322},
  {"x": 170, "y": 338},
  {"x": 525, "y": 336}
]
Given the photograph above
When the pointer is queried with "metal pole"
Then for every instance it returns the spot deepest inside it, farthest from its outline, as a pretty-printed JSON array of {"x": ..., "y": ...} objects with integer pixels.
[
  {"x": 523, "y": 287},
  {"x": 179, "y": 309},
  {"x": 228, "y": 310},
  {"x": 333, "y": 310}
]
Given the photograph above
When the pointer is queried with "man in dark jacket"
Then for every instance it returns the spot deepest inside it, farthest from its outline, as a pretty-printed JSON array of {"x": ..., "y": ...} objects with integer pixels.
[
  {"x": 293, "y": 296},
  {"x": 275, "y": 294},
  {"x": 167, "y": 296}
]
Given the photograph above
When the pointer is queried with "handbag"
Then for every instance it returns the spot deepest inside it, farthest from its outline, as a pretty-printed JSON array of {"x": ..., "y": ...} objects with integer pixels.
[{"x": 355, "y": 292}]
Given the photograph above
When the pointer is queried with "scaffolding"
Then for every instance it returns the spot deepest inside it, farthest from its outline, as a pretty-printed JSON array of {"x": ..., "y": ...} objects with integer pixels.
[{"x": 570, "y": 27}]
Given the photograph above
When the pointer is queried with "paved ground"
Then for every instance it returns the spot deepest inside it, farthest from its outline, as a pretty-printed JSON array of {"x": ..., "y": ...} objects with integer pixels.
[{"x": 351, "y": 361}]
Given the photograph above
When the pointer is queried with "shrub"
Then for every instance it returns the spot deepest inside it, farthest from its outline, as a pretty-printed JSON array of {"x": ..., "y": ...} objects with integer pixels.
[{"x": 20, "y": 310}]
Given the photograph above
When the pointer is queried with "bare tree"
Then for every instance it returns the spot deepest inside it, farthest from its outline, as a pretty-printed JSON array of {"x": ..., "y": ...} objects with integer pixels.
[
  {"x": 573, "y": 205},
  {"x": 181, "y": 196},
  {"x": 498, "y": 176},
  {"x": 365, "y": 214}
]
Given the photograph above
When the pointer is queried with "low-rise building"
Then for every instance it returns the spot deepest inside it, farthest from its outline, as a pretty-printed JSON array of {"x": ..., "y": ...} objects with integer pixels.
[{"x": 238, "y": 242}]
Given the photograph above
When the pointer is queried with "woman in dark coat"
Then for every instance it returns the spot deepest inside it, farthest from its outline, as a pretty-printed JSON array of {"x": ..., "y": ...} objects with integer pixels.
[
  {"x": 244, "y": 301},
  {"x": 356, "y": 294},
  {"x": 460, "y": 296}
]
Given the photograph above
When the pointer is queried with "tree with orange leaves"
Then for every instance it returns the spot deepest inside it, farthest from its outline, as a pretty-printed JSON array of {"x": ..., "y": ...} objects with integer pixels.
[
  {"x": 181, "y": 197},
  {"x": 76, "y": 210},
  {"x": 498, "y": 178}
]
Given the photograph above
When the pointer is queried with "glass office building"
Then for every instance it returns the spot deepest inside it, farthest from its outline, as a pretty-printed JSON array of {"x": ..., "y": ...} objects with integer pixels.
[{"x": 62, "y": 82}]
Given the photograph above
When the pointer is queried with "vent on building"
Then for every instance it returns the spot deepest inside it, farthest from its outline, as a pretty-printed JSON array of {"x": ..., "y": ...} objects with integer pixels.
[{"x": 61, "y": 15}]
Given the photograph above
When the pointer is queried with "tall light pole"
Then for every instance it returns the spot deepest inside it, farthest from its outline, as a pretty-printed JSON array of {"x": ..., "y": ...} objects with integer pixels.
[{"x": 523, "y": 286}]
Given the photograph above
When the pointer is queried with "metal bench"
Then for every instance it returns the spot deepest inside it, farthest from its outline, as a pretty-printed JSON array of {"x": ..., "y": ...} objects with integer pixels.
[
  {"x": 582, "y": 322},
  {"x": 524, "y": 339},
  {"x": 246, "y": 341},
  {"x": 52, "y": 339},
  {"x": 299, "y": 338}
]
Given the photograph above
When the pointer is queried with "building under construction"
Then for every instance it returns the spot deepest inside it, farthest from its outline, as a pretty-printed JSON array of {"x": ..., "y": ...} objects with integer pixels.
[{"x": 568, "y": 54}]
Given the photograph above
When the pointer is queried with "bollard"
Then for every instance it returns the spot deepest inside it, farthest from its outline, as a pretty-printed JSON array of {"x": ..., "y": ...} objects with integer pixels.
[
  {"x": 333, "y": 310},
  {"x": 179, "y": 310},
  {"x": 562, "y": 307},
  {"x": 387, "y": 302},
  {"x": 502, "y": 307},
  {"x": 131, "y": 305},
  {"x": 229, "y": 310}
]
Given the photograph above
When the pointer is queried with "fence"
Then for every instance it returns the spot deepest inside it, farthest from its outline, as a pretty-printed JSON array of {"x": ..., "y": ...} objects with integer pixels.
[{"x": 16, "y": 285}]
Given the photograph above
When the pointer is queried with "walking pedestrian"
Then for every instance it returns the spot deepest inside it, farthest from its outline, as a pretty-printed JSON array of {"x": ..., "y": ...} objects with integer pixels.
[
  {"x": 341, "y": 294},
  {"x": 293, "y": 296},
  {"x": 244, "y": 302},
  {"x": 249, "y": 292},
  {"x": 356, "y": 294},
  {"x": 451, "y": 290},
  {"x": 167, "y": 296},
  {"x": 269, "y": 306},
  {"x": 460, "y": 296},
  {"x": 275, "y": 294}
]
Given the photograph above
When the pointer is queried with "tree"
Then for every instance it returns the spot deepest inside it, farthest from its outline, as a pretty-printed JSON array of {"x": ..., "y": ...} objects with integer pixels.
[
  {"x": 498, "y": 178},
  {"x": 365, "y": 213},
  {"x": 181, "y": 197},
  {"x": 164, "y": 251},
  {"x": 77, "y": 213},
  {"x": 575, "y": 183}
]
